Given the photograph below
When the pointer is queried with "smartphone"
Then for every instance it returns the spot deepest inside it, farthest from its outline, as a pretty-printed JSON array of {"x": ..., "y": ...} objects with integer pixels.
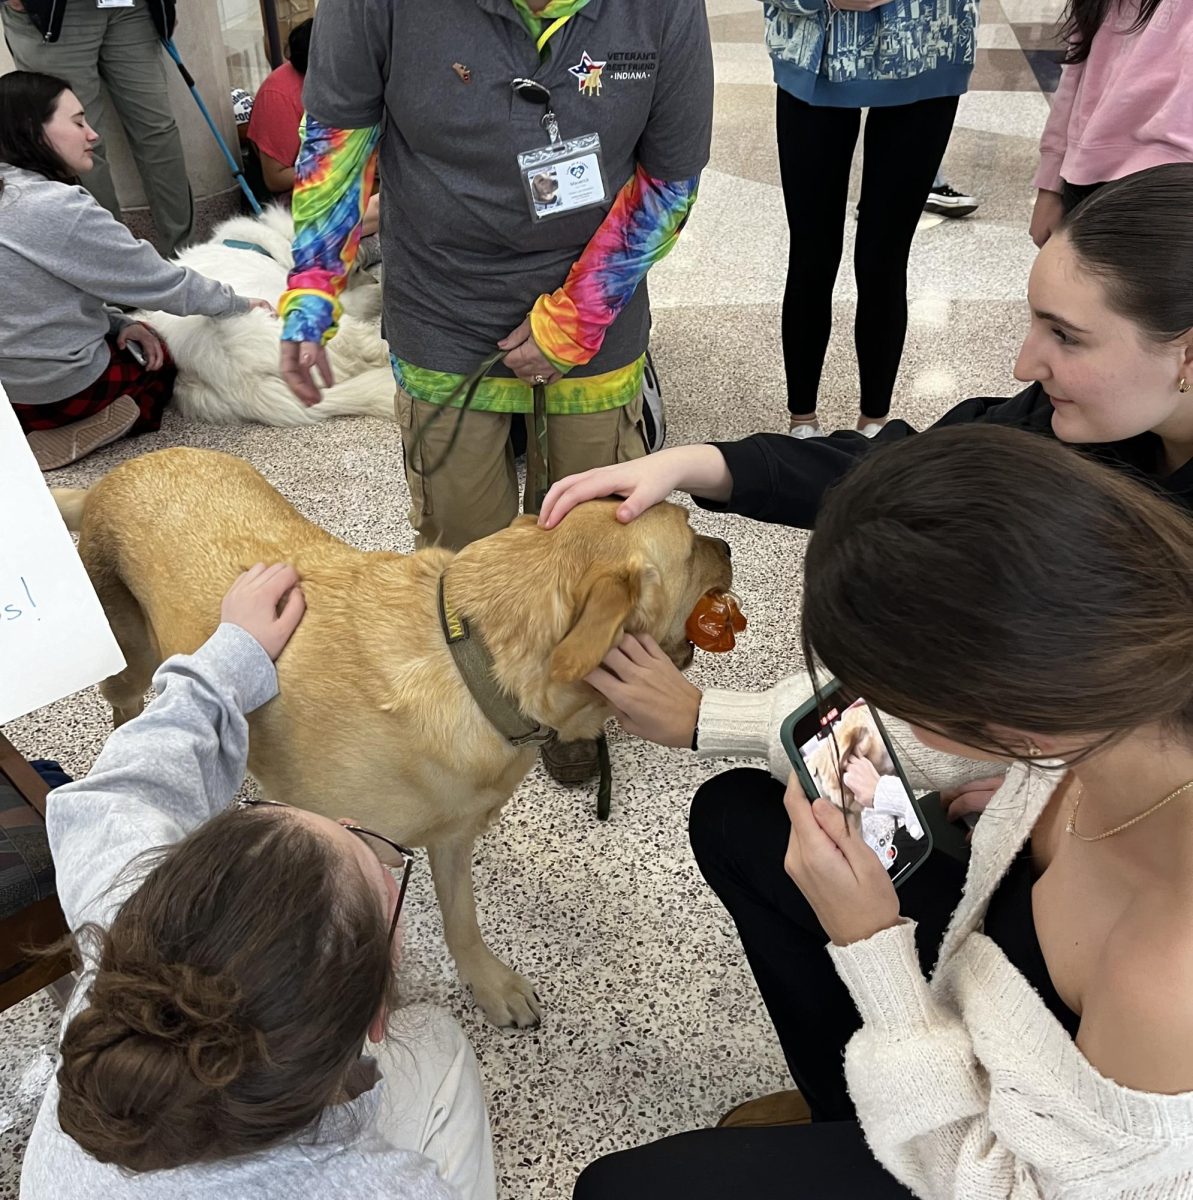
[
  {"x": 137, "y": 353},
  {"x": 829, "y": 737}
]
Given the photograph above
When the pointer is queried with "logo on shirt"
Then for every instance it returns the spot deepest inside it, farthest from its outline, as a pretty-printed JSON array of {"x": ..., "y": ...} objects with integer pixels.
[
  {"x": 588, "y": 75},
  {"x": 631, "y": 64}
]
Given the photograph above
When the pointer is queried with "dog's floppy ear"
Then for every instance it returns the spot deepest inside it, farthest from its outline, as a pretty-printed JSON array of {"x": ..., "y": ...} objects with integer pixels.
[{"x": 606, "y": 596}]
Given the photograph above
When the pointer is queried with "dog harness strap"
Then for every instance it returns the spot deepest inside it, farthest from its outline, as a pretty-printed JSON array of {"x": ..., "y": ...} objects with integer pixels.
[{"x": 475, "y": 664}]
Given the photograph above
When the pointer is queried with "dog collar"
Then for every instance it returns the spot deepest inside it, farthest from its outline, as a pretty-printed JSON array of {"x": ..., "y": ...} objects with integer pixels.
[
  {"x": 236, "y": 244},
  {"x": 475, "y": 664}
]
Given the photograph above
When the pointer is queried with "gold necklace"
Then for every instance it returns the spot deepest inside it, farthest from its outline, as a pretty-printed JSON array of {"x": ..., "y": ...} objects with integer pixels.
[{"x": 1071, "y": 827}]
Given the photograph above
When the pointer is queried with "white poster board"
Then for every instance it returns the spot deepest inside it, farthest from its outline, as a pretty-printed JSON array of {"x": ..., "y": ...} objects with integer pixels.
[{"x": 54, "y": 637}]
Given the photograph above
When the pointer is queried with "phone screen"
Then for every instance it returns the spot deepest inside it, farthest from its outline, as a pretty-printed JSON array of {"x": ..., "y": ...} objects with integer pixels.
[{"x": 840, "y": 751}]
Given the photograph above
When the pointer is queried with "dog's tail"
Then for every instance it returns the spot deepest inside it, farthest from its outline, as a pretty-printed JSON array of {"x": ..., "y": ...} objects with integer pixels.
[{"x": 70, "y": 503}]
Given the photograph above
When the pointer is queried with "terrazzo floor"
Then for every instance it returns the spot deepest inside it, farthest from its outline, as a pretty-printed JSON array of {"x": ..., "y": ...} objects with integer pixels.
[{"x": 652, "y": 1024}]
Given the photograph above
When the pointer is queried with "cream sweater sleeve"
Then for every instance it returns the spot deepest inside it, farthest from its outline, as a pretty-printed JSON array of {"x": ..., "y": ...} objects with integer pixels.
[
  {"x": 746, "y": 725},
  {"x": 922, "y": 1097}
]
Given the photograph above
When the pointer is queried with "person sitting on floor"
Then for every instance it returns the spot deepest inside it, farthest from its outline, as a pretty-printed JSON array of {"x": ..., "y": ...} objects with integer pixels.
[
  {"x": 235, "y": 1031},
  {"x": 79, "y": 374},
  {"x": 276, "y": 114},
  {"x": 1021, "y": 1032}
]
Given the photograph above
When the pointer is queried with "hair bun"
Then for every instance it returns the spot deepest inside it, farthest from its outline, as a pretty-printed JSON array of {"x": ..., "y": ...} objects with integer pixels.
[{"x": 174, "y": 1003}]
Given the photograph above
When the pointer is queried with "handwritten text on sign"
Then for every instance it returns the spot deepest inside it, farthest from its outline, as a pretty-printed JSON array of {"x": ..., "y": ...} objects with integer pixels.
[{"x": 54, "y": 638}]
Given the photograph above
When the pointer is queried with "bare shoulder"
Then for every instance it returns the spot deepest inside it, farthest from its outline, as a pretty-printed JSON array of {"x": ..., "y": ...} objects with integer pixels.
[{"x": 1137, "y": 1020}]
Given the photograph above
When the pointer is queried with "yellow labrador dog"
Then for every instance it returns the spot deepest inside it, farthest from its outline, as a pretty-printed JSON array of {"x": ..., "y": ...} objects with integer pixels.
[{"x": 373, "y": 712}]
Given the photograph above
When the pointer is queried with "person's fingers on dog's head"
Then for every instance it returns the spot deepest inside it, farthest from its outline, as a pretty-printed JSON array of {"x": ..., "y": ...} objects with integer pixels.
[
  {"x": 651, "y": 646},
  {"x": 605, "y": 682},
  {"x": 576, "y": 491},
  {"x": 633, "y": 647},
  {"x": 617, "y": 661}
]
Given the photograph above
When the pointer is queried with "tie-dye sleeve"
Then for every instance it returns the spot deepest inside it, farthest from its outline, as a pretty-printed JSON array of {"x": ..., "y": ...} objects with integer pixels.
[
  {"x": 333, "y": 180},
  {"x": 569, "y": 325}
]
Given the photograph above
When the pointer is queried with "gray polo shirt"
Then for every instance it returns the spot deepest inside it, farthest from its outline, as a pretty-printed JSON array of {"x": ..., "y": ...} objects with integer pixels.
[{"x": 464, "y": 261}]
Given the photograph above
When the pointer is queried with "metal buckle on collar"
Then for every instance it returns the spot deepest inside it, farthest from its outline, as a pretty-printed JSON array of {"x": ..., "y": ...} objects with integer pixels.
[{"x": 536, "y": 737}]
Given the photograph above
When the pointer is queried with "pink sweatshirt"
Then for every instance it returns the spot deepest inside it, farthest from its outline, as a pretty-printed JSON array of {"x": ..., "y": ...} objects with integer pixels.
[{"x": 1129, "y": 106}]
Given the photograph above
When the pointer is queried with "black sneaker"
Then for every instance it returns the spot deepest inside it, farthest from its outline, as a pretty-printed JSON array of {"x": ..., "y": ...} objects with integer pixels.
[
  {"x": 654, "y": 416},
  {"x": 949, "y": 202}
]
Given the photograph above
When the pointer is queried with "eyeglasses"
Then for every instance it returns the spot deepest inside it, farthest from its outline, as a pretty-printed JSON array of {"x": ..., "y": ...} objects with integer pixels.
[{"x": 406, "y": 856}]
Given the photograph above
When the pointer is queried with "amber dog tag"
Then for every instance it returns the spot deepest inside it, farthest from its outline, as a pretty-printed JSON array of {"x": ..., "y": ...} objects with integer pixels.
[{"x": 715, "y": 620}]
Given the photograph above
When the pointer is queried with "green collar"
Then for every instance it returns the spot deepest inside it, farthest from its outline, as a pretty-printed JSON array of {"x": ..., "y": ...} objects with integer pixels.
[{"x": 475, "y": 664}]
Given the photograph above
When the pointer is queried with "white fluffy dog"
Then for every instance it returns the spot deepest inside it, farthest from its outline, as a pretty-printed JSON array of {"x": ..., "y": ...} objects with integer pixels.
[{"x": 228, "y": 369}]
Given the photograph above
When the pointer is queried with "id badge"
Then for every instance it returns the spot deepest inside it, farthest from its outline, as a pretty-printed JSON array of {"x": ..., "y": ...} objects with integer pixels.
[{"x": 564, "y": 177}]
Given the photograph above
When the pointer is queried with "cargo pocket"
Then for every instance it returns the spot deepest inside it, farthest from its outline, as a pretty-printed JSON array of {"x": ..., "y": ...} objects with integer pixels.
[
  {"x": 631, "y": 432},
  {"x": 414, "y": 454}
]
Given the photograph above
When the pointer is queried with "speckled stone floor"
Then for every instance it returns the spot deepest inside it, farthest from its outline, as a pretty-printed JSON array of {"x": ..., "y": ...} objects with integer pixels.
[{"x": 652, "y": 1022}]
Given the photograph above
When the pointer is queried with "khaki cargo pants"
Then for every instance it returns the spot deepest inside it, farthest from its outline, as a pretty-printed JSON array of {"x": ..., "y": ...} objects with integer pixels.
[{"x": 475, "y": 492}]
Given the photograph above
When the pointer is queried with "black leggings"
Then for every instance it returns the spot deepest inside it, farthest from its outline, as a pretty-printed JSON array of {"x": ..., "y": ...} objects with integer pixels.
[
  {"x": 798, "y": 1162},
  {"x": 903, "y": 148},
  {"x": 739, "y": 830}
]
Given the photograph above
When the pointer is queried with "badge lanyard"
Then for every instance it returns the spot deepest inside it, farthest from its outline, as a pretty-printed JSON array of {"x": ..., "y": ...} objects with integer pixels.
[
  {"x": 563, "y": 176},
  {"x": 551, "y": 30},
  {"x": 550, "y": 121}
]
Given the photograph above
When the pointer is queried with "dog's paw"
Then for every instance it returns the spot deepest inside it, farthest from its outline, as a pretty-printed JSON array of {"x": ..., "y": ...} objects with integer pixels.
[{"x": 507, "y": 999}]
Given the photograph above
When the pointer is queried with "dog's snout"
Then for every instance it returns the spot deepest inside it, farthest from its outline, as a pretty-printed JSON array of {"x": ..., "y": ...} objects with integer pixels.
[{"x": 724, "y": 546}]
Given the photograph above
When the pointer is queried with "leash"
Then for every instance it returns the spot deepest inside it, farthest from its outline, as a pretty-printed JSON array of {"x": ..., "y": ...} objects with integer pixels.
[
  {"x": 538, "y": 461},
  {"x": 233, "y": 165}
]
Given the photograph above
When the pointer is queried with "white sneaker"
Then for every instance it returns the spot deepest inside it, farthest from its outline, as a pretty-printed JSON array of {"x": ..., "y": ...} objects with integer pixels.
[
  {"x": 949, "y": 202},
  {"x": 808, "y": 429},
  {"x": 871, "y": 428}
]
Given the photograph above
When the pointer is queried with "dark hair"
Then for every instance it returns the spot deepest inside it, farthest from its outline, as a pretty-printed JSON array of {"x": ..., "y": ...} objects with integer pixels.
[
  {"x": 1083, "y": 18},
  {"x": 234, "y": 991},
  {"x": 27, "y": 102},
  {"x": 298, "y": 46},
  {"x": 1136, "y": 235},
  {"x": 979, "y": 576}
]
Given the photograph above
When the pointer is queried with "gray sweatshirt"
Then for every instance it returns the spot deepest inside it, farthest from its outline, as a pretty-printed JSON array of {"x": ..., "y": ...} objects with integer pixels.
[
  {"x": 158, "y": 778},
  {"x": 62, "y": 256}
]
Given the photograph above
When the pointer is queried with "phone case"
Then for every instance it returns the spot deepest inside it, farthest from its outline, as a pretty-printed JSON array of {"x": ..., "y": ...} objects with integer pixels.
[{"x": 787, "y": 737}]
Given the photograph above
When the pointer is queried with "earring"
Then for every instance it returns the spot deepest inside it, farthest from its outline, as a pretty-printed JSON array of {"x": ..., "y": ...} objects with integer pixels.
[
  {"x": 1183, "y": 386},
  {"x": 1033, "y": 751}
]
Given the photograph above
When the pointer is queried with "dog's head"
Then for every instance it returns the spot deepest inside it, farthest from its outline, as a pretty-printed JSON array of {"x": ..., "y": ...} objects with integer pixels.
[
  {"x": 552, "y": 603},
  {"x": 641, "y": 577}
]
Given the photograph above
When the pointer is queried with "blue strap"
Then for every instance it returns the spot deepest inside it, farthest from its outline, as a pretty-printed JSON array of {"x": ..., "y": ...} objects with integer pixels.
[{"x": 238, "y": 245}]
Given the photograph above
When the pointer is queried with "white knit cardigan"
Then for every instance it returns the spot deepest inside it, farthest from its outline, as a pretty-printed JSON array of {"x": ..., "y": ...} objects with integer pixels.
[{"x": 967, "y": 1087}]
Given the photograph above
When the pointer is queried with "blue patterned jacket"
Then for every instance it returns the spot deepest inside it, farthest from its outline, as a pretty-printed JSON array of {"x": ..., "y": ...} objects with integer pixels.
[{"x": 898, "y": 53}]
